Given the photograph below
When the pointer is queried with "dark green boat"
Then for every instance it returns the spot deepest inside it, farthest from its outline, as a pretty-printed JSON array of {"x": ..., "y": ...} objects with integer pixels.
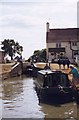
[{"x": 50, "y": 83}]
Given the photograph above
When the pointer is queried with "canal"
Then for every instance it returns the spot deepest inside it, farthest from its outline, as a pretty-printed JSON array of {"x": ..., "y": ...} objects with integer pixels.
[{"x": 19, "y": 99}]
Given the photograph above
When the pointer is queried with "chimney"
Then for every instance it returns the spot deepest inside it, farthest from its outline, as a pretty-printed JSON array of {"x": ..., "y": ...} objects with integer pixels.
[{"x": 47, "y": 27}]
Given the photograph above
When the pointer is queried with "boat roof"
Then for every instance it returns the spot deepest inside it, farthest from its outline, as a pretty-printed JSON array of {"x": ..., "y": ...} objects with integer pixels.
[{"x": 47, "y": 71}]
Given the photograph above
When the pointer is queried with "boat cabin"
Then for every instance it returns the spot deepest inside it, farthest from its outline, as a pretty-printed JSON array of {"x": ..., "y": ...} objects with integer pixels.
[{"x": 48, "y": 78}]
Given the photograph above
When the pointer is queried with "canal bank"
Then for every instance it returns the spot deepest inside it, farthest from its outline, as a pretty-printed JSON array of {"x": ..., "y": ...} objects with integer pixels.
[{"x": 9, "y": 70}]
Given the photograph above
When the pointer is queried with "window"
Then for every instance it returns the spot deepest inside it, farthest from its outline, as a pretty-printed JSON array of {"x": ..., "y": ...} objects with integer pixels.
[
  {"x": 74, "y": 43},
  {"x": 75, "y": 52},
  {"x": 58, "y": 45}
]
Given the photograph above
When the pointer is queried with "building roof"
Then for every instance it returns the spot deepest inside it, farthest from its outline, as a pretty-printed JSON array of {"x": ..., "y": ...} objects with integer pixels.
[{"x": 62, "y": 35}]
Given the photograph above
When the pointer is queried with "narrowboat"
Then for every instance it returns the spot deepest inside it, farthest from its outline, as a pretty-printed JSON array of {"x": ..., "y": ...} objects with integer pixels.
[
  {"x": 29, "y": 70},
  {"x": 32, "y": 70},
  {"x": 53, "y": 83}
]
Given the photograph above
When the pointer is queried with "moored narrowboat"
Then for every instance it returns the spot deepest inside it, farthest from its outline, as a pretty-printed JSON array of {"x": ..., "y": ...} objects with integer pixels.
[{"x": 53, "y": 83}]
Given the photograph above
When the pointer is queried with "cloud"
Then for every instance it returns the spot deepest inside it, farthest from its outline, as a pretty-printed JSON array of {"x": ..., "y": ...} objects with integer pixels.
[
  {"x": 20, "y": 21},
  {"x": 25, "y": 22},
  {"x": 38, "y": 0},
  {"x": 19, "y": 15},
  {"x": 31, "y": 15}
]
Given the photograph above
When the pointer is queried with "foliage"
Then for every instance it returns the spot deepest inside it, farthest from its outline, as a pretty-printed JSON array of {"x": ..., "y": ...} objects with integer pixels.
[
  {"x": 39, "y": 56},
  {"x": 11, "y": 47}
]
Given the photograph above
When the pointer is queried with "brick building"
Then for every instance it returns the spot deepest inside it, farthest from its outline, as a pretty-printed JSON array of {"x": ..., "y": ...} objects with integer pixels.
[{"x": 1, "y": 56}]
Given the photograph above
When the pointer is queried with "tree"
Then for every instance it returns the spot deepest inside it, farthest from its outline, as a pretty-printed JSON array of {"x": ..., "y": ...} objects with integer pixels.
[
  {"x": 11, "y": 47},
  {"x": 39, "y": 55},
  {"x": 18, "y": 49}
]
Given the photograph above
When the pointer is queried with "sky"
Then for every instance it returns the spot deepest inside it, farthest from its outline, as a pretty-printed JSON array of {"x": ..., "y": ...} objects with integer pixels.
[{"x": 25, "y": 21}]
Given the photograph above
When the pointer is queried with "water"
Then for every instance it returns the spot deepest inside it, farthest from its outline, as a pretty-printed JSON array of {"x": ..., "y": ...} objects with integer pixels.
[{"x": 19, "y": 100}]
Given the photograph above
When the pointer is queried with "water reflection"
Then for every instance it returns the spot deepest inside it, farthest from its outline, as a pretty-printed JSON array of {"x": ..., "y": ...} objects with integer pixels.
[
  {"x": 12, "y": 88},
  {"x": 20, "y": 99},
  {"x": 68, "y": 110}
]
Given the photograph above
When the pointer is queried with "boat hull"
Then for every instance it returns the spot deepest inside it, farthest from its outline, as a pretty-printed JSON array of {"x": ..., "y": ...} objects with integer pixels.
[{"x": 55, "y": 95}]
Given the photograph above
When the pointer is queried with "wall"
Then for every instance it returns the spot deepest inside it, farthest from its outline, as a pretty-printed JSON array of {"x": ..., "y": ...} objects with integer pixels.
[
  {"x": 63, "y": 44},
  {"x": 16, "y": 70},
  {"x": 1, "y": 56}
]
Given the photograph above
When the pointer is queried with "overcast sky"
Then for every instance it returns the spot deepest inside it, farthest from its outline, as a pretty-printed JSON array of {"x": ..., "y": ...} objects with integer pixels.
[{"x": 25, "y": 21}]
